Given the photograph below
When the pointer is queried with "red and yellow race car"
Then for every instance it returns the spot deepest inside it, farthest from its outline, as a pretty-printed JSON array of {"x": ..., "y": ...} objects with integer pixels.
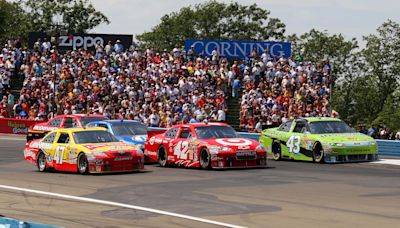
[
  {"x": 83, "y": 150},
  {"x": 212, "y": 145},
  {"x": 39, "y": 130}
]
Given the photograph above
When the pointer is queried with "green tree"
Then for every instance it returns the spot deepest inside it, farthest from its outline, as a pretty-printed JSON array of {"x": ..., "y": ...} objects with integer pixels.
[
  {"x": 213, "y": 20},
  {"x": 382, "y": 60},
  {"x": 69, "y": 16},
  {"x": 13, "y": 21}
]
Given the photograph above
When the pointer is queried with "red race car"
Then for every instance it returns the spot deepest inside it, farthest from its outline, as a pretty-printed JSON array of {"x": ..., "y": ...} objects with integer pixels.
[
  {"x": 212, "y": 145},
  {"x": 38, "y": 131}
]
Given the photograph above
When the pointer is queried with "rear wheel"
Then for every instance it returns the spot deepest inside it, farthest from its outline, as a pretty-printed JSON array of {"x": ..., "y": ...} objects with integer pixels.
[
  {"x": 205, "y": 159},
  {"x": 162, "y": 157},
  {"x": 83, "y": 165},
  {"x": 276, "y": 151},
  {"x": 318, "y": 153},
  {"x": 41, "y": 162}
]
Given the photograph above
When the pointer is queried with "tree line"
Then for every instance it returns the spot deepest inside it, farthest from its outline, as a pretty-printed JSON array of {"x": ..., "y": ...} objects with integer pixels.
[{"x": 366, "y": 88}]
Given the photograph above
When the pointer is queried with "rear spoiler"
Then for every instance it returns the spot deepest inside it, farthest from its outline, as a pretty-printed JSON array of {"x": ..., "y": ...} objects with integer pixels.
[{"x": 151, "y": 131}]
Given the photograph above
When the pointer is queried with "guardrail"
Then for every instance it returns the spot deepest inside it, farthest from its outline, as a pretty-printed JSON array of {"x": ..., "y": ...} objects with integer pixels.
[{"x": 10, "y": 222}]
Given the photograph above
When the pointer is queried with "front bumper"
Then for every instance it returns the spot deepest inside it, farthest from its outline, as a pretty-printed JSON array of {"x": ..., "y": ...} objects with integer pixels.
[
  {"x": 233, "y": 161},
  {"x": 108, "y": 165},
  {"x": 350, "y": 154}
]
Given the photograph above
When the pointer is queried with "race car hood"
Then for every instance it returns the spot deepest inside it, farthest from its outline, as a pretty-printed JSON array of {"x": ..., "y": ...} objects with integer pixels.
[
  {"x": 343, "y": 138},
  {"x": 133, "y": 139},
  {"x": 104, "y": 147},
  {"x": 233, "y": 143}
]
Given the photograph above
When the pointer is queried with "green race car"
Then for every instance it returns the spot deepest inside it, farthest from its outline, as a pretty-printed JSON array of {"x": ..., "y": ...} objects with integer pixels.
[{"x": 318, "y": 139}]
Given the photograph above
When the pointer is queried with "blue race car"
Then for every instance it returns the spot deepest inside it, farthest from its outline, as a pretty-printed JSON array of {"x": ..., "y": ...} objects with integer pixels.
[{"x": 129, "y": 131}]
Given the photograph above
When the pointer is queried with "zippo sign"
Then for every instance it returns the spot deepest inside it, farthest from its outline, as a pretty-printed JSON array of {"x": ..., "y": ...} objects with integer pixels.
[
  {"x": 85, "y": 41},
  {"x": 239, "y": 48}
]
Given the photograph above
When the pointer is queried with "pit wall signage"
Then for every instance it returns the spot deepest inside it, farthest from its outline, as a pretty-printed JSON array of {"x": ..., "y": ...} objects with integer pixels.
[
  {"x": 238, "y": 48},
  {"x": 84, "y": 40},
  {"x": 16, "y": 126}
]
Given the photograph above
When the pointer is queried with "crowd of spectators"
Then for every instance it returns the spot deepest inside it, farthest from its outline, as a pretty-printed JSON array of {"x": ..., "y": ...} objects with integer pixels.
[
  {"x": 161, "y": 88},
  {"x": 279, "y": 89}
]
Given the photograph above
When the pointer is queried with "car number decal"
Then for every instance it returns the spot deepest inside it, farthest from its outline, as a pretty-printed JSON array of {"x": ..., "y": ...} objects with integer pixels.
[
  {"x": 59, "y": 154},
  {"x": 180, "y": 150},
  {"x": 294, "y": 144}
]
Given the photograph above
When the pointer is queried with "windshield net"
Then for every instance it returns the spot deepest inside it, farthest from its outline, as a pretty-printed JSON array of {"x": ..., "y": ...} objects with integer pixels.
[
  {"x": 84, "y": 137},
  {"x": 129, "y": 129},
  {"x": 325, "y": 127},
  {"x": 210, "y": 132}
]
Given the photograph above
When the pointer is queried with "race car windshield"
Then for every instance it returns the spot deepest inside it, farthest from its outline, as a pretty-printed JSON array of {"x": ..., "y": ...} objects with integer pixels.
[
  {"x": 86, "y": 120},
  {"x": 129, "y": 129},
  {"x": 84, "y": 137},
  {"x": 210, "y": 132},
  {"x": 326, "y": 127}
]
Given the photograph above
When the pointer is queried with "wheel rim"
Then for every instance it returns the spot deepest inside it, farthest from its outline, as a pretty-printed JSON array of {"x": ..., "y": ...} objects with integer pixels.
[
  {"x": 42, "y": 162},
  {"x": 162, "y": 157},
  {"x": 318, "y": 154},
  {"x": 204, "y": 159},
  {"x": 82, "y": 164}
]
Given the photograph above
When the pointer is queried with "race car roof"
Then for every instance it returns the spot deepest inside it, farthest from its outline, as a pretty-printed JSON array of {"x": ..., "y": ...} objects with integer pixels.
[
  {"x": 201, "y": 124},
  {"x": 317, "y": 119},
  {"x": 78, "y": 129}
]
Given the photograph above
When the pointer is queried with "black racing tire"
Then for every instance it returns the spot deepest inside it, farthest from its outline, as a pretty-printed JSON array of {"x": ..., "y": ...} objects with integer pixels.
[
  {"x": 41, "y": 162},
  {"x": 318, "y": 153},
  {"x": 83, "y": 164},
  {"x": 276, "y": 151},
  {"x": 205, "y": 159},
  {"x": 162, "y": 157}
]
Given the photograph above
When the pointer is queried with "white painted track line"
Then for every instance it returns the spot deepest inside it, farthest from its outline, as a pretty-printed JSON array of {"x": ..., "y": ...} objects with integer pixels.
[
  {"x": 387, "y": 161},
  {"x": 90, "y": 200}
]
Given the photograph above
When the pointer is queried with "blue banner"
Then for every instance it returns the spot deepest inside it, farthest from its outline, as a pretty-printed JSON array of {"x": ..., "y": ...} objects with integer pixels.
[{"x": 238, "y": 48}]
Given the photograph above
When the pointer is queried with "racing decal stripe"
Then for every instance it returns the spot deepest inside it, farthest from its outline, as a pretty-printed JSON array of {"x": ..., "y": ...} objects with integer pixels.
[{"x": 304, "y": 151}]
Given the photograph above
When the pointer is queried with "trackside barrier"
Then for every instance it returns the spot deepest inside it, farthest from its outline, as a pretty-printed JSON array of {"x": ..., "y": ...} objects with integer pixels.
[
  {"x": 9, "y": 222},
  {"x": 388, "y": 147},
  {"x": 16, "y": 126}
]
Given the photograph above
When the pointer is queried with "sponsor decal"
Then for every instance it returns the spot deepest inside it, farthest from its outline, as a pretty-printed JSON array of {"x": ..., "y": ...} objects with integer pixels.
[
  {"x": 43, "y": 128},
  {"x": 170, "y": 158},
  {"x": 93, "y": 147},
  {"x": 234, "y": 142},
  {"x": 151, "y": 153},
  {"x": 29, "y": 153},
  {"x": 309, "y": 145},
  {"x": 49, "y": 159},
  {"x": 195, "y": 156},
  {"x": 243, "y": 147},
  {"x": 122, "y": 158},
  {"x": 158, "y": 141},
  {"x": 151, "y": 141}
]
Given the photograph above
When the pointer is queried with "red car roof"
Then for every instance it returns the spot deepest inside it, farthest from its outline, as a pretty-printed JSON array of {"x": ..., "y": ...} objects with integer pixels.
[
  {"x": 79, "y": 115},
  {"x": 201, "y": 124}
]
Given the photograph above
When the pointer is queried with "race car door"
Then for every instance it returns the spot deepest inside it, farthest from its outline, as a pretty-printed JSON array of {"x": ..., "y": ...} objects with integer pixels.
[
  {"x": 61, "y": 158},
  {"x": 297, "y": 144},
  {"x": 181, "y": 146},
  {"x": 283, "y": 135}
]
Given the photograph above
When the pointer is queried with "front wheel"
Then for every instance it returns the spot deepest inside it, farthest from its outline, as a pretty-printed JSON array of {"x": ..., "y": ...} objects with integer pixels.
[
  {"x": 41, "y": 162},
  {"x": 318, "y": 153},
  {"x": 83, "y": 165},
  {"x": 205, "y": 159},
  {"x": 276, "y": 151}
]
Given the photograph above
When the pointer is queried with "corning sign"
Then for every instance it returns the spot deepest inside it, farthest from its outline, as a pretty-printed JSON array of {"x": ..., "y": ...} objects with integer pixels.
[{"x": 238, "y": 48}]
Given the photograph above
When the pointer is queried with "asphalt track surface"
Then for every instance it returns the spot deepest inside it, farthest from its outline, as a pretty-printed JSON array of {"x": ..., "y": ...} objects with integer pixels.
[{"x": 286, "y": 194}]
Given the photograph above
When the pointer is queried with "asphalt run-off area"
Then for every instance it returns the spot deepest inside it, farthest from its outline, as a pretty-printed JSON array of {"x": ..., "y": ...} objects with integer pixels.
[{"x": 285, "y": 194}]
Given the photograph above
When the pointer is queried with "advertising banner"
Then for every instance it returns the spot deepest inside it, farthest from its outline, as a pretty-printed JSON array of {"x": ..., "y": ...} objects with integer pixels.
[
  {"x": 85, "y": 41},
  {"x": 16, "y": 126},
  {"x": 238, "y": 48}
]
